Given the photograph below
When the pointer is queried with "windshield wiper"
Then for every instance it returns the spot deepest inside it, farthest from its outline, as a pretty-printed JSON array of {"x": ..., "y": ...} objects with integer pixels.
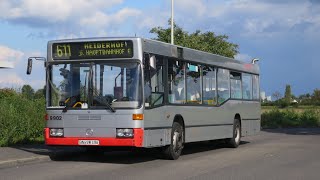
[
  {"x": 110, "y": 107},
  {"x": 65, "y": 109},
  {"x": 105, "y": 102}
]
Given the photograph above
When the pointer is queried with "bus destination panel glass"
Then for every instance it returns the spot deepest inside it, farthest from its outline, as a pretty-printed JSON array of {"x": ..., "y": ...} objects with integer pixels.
[{"x": 92, "y": 50}]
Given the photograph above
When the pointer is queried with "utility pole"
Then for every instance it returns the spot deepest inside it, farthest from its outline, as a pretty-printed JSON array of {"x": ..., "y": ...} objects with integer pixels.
[{"x": 172, "y": 34}]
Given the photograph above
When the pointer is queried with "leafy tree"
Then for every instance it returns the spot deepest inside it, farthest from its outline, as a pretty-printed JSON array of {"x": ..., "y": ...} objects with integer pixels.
[
  {"x": 203, "y": 41},
  {"x": 276, "y": 95},
  {"x": 316, "y": 97},
  {"x": 7, "y": 92},
  {"x": 40, "y": 93},
  {"x": 27, "y": 91},
  {"x": 287, "y": 94}
]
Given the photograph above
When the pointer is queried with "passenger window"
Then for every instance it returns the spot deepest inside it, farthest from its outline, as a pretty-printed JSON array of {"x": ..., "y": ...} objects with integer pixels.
[
  {"x": 209, "y": 85},
  {"x": 255, "y": 92},
  {"x": 154, "y": 86},
  {"x": 235, "y": 82},
  {"x": 176, "y": 82},
  {"x": 246, "y": 86},
  {"x": 193, "y": 84},
  {"x": 223, "y": 85}
]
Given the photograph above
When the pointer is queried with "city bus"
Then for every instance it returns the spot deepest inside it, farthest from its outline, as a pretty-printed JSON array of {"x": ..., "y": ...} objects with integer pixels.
[{"x": 137, "y": 92}]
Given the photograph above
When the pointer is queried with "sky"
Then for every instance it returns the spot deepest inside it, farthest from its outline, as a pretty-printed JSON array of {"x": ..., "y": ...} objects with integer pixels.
[{"x": 283, "y": 34}]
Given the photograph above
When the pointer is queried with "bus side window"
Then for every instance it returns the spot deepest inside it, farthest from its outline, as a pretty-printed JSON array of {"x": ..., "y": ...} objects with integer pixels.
[
  {"x": 209, "y": 85},
  {"x": 176, "y": 82},
  {"x": 235, "y": 81},
  {"x": 255, "y": 91},
  {"x": 247, "y": 86},
  {"x": 193, "y": 84},
  {"x": 223, "y": 85}
]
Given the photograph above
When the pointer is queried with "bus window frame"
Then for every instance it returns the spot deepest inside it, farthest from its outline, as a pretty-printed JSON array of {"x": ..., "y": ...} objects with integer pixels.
[{"x": 166, "y": 102}]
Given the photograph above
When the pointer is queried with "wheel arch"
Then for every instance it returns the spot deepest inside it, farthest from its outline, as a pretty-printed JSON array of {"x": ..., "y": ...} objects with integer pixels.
[{"x": 238, "y": 117}]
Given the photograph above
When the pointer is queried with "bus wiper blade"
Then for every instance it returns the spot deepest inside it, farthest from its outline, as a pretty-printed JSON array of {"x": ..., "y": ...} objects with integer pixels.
[
  {"x": 106, "y": 103},
  {"x": 65, "y": 109},
  {"x": 110, "y": 107}
]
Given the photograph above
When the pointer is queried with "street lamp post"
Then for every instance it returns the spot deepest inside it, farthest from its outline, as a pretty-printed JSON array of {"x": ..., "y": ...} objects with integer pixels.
[{"x": 172, "y": 34}]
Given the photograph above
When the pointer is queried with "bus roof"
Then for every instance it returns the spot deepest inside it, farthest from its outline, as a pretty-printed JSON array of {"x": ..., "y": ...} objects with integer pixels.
[
  {"x": 169, "y": 50},
  {"x": 166, "y": 49}
]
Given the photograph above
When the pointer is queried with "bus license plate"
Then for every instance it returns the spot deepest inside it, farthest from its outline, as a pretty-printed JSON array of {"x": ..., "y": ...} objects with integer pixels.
[{"x": 88, "y": 142}]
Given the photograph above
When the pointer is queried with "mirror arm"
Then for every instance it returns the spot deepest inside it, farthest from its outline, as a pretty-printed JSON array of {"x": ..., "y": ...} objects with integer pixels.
[
  {"x": 29, "y": 67},
  {"x": 38, "y": 58}
]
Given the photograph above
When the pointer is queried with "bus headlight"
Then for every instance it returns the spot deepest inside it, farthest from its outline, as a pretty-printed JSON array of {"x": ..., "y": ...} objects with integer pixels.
[
  {"x": 56, "y": 132},
  {"x": 125, "y": 133}
]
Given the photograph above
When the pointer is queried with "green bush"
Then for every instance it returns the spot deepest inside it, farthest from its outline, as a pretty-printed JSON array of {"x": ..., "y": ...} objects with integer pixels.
[
  {"x": 289, "y": 118},
  {"x": 21, "y": 119}
]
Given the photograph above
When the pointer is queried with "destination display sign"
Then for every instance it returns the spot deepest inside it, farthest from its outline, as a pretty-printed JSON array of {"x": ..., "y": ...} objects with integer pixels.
[{"x": 92, "y": 50}]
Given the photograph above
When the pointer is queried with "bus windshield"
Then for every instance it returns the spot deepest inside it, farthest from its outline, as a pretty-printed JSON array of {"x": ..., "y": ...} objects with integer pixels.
[{"x": 95, "y": 85}]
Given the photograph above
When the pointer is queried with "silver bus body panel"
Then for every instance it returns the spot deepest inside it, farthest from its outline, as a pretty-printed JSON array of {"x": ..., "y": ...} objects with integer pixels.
[
  {"x": 201, "y": 122},
  {"x": 102, "y": 122}
]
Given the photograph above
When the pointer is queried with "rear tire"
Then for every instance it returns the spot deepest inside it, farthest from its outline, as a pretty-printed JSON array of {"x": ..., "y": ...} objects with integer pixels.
[
  {"x": 236, "y": 139},
  {"x": 173, "y": 151}
]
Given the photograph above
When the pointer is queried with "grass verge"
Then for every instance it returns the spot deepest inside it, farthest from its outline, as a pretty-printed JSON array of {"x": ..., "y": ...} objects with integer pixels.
[{"x": 286, "y": 118}]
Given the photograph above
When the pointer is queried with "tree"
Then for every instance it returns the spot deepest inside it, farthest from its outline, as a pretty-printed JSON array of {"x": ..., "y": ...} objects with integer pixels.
[
  {"x": 316, "y": 97},
  {"x": 287, "y": 94},
  {"x": 27, "y": 91},
  {"x": 40, "y": 93},
  {"x": 276, "y": 95},
  {"x": 207, "y": 41}
]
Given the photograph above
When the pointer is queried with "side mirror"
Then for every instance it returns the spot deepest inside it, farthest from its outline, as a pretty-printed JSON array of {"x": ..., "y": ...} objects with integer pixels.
[{"x": 29, "y": 67}]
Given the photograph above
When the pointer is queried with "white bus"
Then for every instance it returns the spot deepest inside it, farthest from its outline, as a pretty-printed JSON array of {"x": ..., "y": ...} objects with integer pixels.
[{"x": 136, "y": 92}]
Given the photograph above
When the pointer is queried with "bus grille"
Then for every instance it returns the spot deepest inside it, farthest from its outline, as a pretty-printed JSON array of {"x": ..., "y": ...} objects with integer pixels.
[{"x": 89, "y": 117}]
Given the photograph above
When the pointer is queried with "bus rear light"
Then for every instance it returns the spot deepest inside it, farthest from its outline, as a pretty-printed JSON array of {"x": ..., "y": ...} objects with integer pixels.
[
  {"x": 137, "y": 117},
  {"x": 56, "y": 132},
  {"x": 46, "y": 117}
]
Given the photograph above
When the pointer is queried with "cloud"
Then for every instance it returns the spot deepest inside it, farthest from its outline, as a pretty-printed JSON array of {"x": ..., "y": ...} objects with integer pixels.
[
  {"x": 16, "y": 77},
  {"x": 10, "y": 55},
  {"x": 100, "y": 19},
  {"x": 52, "y": 11},
  {"x": 251, "y": 17},
  {"x": 60, "y": 17},
  {"x": 11, "y": 79},
  {"x": 191, "y": 6}
]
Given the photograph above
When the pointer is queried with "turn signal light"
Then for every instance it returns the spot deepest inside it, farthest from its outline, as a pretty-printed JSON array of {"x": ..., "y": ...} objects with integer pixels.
[{"x": 137, "y": 117}]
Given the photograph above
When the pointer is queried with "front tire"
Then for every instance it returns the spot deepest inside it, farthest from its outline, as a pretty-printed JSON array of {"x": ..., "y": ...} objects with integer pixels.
[
  {"x": 236, "y": 139},
  {"x": 173, "y": 151}
]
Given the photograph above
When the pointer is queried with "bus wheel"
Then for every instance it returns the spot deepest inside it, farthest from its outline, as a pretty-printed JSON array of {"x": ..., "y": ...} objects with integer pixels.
[
  {"x": 173, "y": 151},
  {"x": 236, "y": 139}
]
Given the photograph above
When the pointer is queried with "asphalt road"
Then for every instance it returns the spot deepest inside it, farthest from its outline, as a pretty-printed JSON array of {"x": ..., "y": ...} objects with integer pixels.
[{"x": 278, "y": 154}]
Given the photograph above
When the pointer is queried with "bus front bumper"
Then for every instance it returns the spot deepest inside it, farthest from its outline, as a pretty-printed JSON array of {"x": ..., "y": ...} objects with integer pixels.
[{"x": 136, "y": 141}]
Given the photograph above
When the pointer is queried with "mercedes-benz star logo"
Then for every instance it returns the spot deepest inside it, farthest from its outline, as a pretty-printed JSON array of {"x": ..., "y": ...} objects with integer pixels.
[{"x": 89, "y": 132}]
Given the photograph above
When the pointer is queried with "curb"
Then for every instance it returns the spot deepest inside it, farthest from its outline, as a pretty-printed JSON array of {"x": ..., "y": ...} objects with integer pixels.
[{"x": 23, "y": 161}]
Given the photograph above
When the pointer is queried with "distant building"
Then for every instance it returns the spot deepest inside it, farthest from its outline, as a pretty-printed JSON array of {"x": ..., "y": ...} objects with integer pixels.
[
  {"x": 263, "y": 95},
  {"x": 5, "y": 64}
]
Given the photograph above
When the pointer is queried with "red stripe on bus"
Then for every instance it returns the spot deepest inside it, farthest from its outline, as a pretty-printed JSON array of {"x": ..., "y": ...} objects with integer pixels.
[{"x": 137, "y": 141}]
